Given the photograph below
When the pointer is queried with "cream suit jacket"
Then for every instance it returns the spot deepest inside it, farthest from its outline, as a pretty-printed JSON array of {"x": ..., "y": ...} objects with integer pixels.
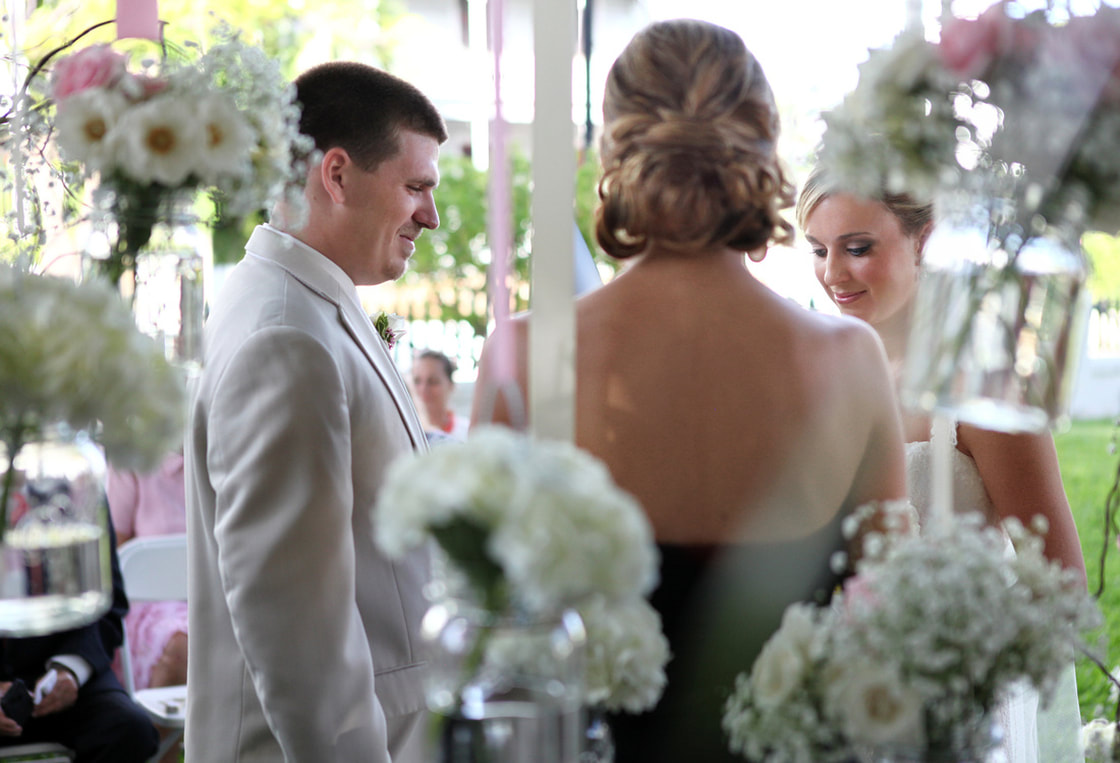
[{"x": 302, "y": 634}]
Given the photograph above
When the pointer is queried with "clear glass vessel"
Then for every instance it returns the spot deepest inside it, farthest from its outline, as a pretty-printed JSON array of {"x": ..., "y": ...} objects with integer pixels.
[
  {"x": 504, "y": 688},
  {"x": 54, "y": 552},
  {"x": 998, "y": 321}
]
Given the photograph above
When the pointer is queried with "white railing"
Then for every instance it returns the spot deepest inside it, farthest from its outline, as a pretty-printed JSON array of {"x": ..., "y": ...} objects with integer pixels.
[
  {"x": 1103, "y": 339},
  {"x": 455, "y": 339}
]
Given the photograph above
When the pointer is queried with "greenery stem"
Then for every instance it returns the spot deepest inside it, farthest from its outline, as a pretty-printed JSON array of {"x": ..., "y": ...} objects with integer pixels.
[
  {"x": 1111, "y": 504},
  {"x": 38, "y": 67}
]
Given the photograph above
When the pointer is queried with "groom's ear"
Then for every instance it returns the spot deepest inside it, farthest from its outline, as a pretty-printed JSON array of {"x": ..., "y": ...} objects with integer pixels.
[{"x": 332, "y": 173}]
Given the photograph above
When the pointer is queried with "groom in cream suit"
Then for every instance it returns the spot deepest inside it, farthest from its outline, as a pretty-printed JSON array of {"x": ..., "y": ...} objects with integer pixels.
[{"x": 302, "y": 635}]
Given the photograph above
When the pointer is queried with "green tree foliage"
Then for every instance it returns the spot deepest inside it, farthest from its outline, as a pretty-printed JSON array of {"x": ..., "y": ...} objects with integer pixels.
[
  {"x": 1104, "y": 255},
  {"x": 285, "y": 29},
  {"x": 456, "y": 254}
]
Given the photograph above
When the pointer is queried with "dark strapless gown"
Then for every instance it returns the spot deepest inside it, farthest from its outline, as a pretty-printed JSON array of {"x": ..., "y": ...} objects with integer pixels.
[{"x": 719, "y": 604}]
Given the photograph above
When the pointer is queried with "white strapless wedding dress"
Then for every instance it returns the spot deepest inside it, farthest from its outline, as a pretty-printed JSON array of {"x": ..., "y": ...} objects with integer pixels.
[{"x": 1031, "y": 734}]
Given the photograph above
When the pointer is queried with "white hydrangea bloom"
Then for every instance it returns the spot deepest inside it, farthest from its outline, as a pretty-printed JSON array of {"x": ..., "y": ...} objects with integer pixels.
[
  {"x": 544, "y": 527},
  {"x": 626, "y": 654},
  {"x": 555, "y": 522},
  {"x": 72, "y": 353}
]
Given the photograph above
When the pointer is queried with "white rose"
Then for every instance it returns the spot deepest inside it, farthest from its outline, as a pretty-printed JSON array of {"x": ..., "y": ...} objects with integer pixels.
[
  {"x": 1097, "y": 739},
  {"x": 777, "y": 671},
  {"x": 800, "y": 627},
  {"x": 875, "y": 707}
]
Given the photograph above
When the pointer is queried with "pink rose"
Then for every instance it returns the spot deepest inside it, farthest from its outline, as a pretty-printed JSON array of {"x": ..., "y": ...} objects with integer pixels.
[
  {"x": 969, "y": 48},
  {"x": 152, "y": 86},
  {"x": 860, "y": 595},
  {"x": 95, "y": 66}
]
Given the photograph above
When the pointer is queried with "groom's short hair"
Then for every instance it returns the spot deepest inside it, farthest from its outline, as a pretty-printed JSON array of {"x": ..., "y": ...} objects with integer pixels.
[{"x": 362, "y": 110}]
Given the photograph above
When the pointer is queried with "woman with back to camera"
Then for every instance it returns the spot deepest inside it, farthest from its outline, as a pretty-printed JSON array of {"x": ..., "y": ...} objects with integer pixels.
[
  {"x": 747, "y": 427},
  {"x": 867, "y": 257}
]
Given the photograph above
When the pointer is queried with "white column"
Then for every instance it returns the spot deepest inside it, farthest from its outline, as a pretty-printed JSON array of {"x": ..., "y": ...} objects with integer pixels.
[{"x": 552, "y": 321}]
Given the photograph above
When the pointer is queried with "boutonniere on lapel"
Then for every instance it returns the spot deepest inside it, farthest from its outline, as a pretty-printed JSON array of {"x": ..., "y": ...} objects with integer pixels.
[{"x": 390, "y": 327}]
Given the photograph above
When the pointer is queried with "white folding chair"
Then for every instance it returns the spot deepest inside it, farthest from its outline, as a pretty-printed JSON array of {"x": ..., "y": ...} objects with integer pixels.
[{"x": 154, "y": 568}]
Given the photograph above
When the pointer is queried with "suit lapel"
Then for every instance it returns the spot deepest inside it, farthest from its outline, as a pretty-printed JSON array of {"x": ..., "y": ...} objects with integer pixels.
[
  {"x": 299, "y": 260},
  {"x": 361, "y": 329}
]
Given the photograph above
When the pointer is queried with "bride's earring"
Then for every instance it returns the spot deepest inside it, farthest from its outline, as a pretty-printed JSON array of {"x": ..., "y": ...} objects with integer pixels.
[{"x": 758, "y": 255}]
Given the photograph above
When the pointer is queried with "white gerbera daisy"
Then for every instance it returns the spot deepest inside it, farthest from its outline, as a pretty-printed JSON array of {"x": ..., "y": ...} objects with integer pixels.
[
  {"x": 229, "y": 139},
  {"x": 85, "y": 121},
  {"x": 160, "y": 141}
]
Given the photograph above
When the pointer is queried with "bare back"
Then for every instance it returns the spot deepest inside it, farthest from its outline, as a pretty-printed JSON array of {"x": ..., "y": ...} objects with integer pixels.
[{"x": 729, "y": 412}]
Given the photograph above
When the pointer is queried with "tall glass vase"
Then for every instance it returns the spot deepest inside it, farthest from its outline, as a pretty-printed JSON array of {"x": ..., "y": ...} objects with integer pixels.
[
  {"x": 54, "y": 547},
  {"x": 504, "y": 688},
  {"x": 151, "y": 246},
  {"x": 998, "y": 320}
]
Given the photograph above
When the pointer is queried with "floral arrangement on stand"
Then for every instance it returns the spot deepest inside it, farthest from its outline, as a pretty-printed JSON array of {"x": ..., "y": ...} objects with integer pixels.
[
  {"x": 915, "y": 652},
  {"x": 226, "y": 122},
  {"x": 70, "y": 353},
  {"x": 1010, "y": 104},
  {"x": 1009, "y": 123},
  {"x": 528, "y": 528}
]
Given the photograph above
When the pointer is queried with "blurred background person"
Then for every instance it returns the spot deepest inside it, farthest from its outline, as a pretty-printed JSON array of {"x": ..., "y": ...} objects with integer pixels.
[
  {"x": 152, "y": 504},
  {"x": 433, "y": 385}
]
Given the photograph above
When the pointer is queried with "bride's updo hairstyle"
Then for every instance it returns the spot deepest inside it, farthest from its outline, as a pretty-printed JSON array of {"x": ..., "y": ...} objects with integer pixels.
[{"x": 689, "y": 146}]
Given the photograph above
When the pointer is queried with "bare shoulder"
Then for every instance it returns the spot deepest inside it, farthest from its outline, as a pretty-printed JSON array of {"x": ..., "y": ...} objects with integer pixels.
[
  {"x": 1018, "y": 446},
  {"x": 844, "y": 333}
]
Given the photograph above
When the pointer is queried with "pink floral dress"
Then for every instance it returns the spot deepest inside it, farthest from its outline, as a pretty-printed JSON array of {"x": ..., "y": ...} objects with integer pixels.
[{"x": 149, "y": 504}]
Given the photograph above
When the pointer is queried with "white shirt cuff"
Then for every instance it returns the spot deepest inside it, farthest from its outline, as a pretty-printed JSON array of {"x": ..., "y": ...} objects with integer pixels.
[{"x": 75, "y": 664}]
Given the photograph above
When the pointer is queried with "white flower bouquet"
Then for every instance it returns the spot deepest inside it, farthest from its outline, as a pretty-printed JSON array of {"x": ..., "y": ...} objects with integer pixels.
[
  {"x": 1010, "y": 104},
  {"x": 225, "y": 121},
  {"x": 72, "y": 354},
  {"x": 533, "y": 526},
  {"x": 916, "y": 652}
]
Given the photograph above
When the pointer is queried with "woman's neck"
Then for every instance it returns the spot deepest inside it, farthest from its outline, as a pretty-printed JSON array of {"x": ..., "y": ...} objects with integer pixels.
[{"x": 895, "y": 333}]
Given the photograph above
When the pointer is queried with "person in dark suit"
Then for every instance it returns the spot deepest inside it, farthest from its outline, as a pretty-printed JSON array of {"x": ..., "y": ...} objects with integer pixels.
[{"x": 87, "y": 709}]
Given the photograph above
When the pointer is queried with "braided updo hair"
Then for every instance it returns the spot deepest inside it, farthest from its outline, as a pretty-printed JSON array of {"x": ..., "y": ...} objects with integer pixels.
[{"x": 689, "y": 147}]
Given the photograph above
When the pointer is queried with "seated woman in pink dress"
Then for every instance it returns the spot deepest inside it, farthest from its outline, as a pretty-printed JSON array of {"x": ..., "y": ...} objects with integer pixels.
[{"x": 153, "y": 504}]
